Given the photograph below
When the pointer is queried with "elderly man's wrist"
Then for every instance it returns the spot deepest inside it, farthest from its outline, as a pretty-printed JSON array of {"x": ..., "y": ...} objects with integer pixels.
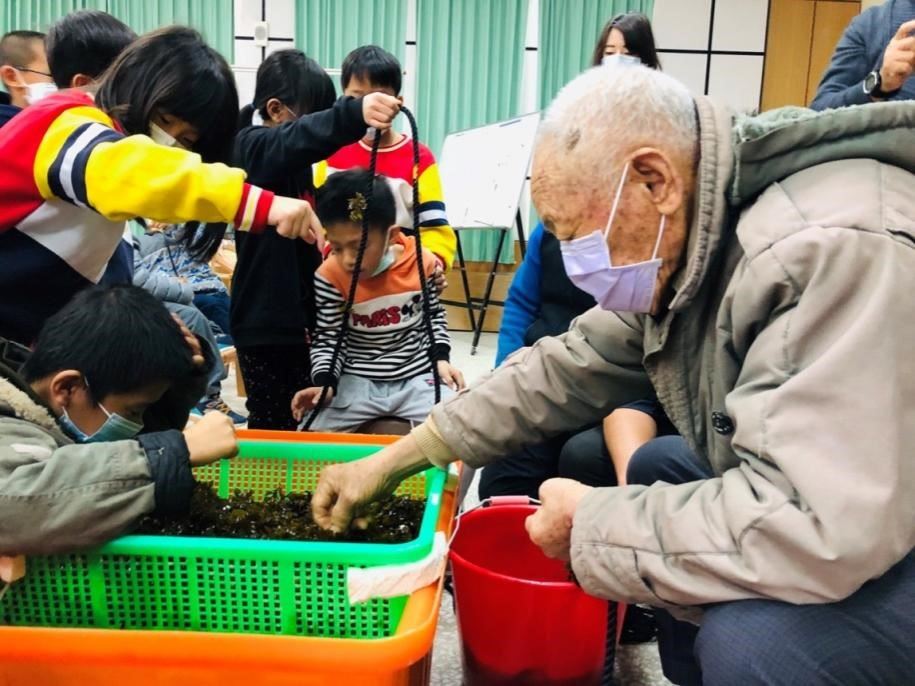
[
  {"x": 430, "y": 444},
  {"x": 402, "y": 460}
]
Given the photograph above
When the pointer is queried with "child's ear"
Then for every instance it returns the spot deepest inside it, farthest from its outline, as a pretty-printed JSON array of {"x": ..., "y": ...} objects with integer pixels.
[
  {"x": 81, "y": 81},
  {"x": 10, "y": 77},
  {"x": 393, "y": 231},
  {"x": 274, "y": 109},
  {"x": 63, "y": 385}
]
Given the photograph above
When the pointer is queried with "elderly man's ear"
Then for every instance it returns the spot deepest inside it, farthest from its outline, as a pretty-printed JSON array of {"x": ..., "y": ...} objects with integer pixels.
[{"x": 664, "y": 181}]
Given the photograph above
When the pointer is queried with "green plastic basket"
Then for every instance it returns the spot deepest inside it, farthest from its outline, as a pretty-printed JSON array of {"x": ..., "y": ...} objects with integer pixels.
[{"x": 229, "y": 585}]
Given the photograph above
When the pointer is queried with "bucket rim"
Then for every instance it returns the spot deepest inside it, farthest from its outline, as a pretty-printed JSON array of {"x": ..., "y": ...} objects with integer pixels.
[{"x": 452, "y": 555}]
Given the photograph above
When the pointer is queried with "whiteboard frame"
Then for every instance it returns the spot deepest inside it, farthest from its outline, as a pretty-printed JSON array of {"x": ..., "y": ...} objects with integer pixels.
[{"x": 516, "y": 203}]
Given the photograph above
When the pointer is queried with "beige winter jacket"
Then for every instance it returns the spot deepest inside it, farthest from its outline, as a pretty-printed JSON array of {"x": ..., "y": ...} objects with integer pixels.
[{"x": 786, "y": 361}]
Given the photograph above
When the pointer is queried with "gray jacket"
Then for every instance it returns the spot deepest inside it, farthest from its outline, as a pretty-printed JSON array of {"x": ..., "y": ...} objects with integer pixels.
[
  {"x": 57, "y": 496},
  {"x": 785, "y": 362}
]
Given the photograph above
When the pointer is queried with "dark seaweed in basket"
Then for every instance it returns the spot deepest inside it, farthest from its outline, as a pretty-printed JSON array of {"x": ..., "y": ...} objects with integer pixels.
[{"x": 282, "y": 516}]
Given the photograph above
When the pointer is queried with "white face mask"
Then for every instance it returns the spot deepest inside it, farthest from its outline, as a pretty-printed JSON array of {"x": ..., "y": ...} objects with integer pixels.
[
  {"x": 620, "y": 60},
  {"x": 39, "y": 91},
  {"x": 162, "y": 137},
  {"x": 623, "y": 288}
]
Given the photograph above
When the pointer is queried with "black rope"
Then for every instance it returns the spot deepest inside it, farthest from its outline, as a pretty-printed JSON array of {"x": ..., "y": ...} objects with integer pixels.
[
  {"x": 351, "y": 296},
  {"x": 607, "y": 678},
  {"x": 420, "y": 266}
]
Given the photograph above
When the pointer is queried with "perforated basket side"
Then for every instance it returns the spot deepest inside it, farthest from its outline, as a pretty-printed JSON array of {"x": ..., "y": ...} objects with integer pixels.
[{"x": 57, "y": 592}]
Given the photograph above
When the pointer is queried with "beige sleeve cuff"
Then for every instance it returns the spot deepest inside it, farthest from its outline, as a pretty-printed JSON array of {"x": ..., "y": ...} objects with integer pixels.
[{"x": 431, "y": 444}]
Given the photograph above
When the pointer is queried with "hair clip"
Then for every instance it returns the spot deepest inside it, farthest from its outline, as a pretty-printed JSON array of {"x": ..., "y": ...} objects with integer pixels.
[{"x": 356, "y": 206}]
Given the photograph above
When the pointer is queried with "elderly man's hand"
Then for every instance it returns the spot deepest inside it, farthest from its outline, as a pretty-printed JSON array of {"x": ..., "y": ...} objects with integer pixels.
[
  {"x": 345, "y": 490},
  {"x": 551, "y": 526}
]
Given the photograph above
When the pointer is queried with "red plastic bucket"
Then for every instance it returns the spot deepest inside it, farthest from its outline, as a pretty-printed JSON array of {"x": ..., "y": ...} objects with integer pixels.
[{"x": 521, "y": 620}]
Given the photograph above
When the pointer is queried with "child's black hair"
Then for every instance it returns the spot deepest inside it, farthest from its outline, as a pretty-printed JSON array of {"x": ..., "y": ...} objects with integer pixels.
[
  {"x": 373, "y": 65},
  {"x": 295, "y": 80},
  {"x": 120, "y": 337},
  {"x": 202, "y": 241},
  {"x": 173, "y": 71},
  {"x": 85, "y": 42},
  {"x": 341, "y": 200},
  {"x": 17, "y": 48}
]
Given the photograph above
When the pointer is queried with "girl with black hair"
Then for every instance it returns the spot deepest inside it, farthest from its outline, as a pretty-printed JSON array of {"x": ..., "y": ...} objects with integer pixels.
[
  {"x": 293, "y": 123},
  {"x": 149, "y": 145},
  {"x": 627, "y": 34}
]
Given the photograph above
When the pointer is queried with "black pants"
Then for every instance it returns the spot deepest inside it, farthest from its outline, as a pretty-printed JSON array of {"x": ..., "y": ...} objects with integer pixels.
[
  {"x": 272, "y": 375},
  {"x": 865, "y": 639},
  {"x": 580, "y": 455}
]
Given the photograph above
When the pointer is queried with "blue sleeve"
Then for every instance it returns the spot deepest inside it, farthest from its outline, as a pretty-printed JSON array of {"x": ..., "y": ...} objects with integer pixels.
[
  {"x": 523, "y": 302},
  {"x": 843, "y": 82},
  {"x": 170, "y": 468}
]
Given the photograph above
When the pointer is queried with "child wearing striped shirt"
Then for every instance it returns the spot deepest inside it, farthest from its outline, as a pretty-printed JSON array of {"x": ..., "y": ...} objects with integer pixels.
[
  {"x": 384, "y": 367},
  {"x": 371, "y": 69}
]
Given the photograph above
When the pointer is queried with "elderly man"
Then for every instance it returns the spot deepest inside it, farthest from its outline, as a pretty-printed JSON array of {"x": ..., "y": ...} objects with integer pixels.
[{"x": 760, "y": 281}]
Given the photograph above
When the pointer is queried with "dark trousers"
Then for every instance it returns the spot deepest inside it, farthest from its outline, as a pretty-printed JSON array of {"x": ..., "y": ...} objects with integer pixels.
[
  {"x": 215, "y": 307},
  {"x": 581, "y": 455},
  {"x": 272, "y": 375},
  {"x": 865, "y": 639}
]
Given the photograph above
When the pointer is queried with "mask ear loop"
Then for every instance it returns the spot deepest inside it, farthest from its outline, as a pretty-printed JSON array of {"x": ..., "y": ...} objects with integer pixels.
[
  {"x": 657, "y": 244},
  {"x": 616, "y": 200}
]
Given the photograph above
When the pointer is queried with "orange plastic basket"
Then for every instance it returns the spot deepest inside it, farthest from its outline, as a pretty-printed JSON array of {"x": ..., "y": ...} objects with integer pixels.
[{"x": 33, "y": 656}]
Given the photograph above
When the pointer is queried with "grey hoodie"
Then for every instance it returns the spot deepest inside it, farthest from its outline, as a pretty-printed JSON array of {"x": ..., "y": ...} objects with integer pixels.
[{"x": 57, "y": 496}]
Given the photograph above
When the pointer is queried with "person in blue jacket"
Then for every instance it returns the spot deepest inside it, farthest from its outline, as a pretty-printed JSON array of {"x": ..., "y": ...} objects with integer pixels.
[{"x": 874, "y": 59}]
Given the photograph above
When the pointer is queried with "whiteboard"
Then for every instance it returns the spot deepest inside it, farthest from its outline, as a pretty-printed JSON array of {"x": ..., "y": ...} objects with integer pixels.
[{"x": 483, "y": 171}]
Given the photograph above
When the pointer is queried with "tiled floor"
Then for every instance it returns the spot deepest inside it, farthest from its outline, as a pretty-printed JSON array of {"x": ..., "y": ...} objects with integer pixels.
[{"x": 636, "y": 665}]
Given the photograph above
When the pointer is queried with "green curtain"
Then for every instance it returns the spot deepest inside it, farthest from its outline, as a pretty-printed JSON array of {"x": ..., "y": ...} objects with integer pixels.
[
  {"x": 38, "y": 15},
  {"x": 568, "y": 32},
  {"x": 213, "y": 18},
  {"x": 470, "y": 55},
  {"x": 327, "y": 30}
]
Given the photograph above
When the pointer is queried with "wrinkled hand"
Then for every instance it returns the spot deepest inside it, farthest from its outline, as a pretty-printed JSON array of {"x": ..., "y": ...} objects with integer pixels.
[
  {"x": 210, "y": 439},
  {"x": 345, "y": 491},
  {"x": 192, "y": 342},
  {"x": 550, "y": 527},
  {"x": 438, "y": 279},
  {"x": 451, "y": 376},
  {"x": 294, "y": 218},
  {"x": 898, "y": 59},
  {"x": 379, "y": 110},
  {"x": 307, "y": 399}
]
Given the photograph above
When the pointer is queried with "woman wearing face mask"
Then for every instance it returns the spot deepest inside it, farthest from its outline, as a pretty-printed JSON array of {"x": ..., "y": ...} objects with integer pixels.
[
  {"x": 626, "y": 38},
  {"x": 149, "y": 144},
  {"x": 292, "y": 124}
]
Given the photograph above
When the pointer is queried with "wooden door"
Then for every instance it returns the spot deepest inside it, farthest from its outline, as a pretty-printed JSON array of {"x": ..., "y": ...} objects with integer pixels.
[{"x": 801, "y": 38}]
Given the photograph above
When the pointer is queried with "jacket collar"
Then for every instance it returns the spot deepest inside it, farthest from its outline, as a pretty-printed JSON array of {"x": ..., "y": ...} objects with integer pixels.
[
  {"x": 18, "y": 400},
  {"x": 710, "y": 211}
]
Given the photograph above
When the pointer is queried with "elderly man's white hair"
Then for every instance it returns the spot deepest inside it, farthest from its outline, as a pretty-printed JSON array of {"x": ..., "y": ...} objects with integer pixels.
[{"x": 610, "y": 110}]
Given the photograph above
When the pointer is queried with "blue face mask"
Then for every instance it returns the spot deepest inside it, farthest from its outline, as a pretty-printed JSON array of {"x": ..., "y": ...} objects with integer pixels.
[
  {"x": 617, "y": 288},
  {"x": 387, "y": 259},
  {"x": 115, "y": 428}
]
